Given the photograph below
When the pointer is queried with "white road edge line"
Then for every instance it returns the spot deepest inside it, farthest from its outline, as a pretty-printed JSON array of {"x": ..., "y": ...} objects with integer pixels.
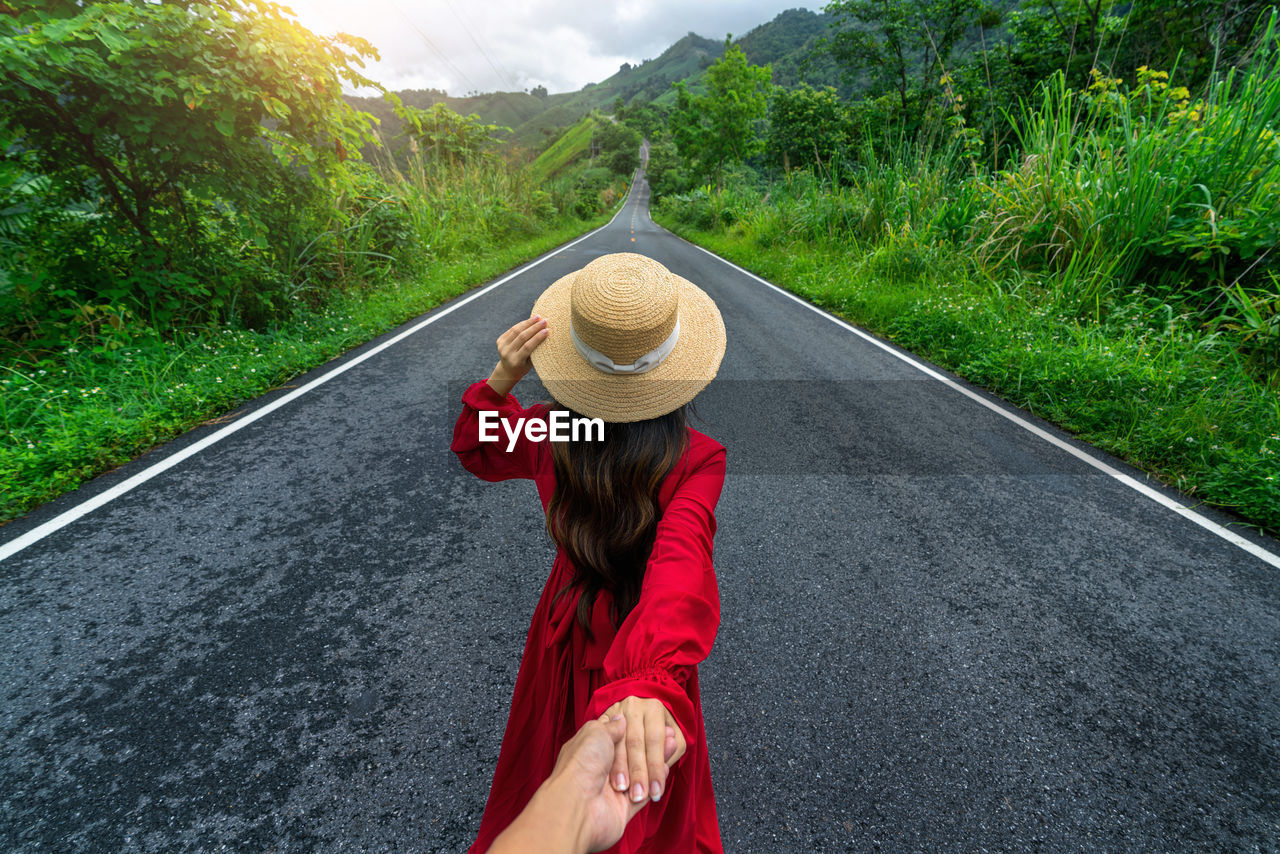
[
  {"x": 88, "y": 506},
  {"x": 1158, "y": 497}
]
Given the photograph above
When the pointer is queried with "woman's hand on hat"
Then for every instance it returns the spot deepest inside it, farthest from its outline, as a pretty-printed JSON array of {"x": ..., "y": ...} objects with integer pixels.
[
  {"x": 641, "y": 761},
  {"x": 515, "y": 346}
]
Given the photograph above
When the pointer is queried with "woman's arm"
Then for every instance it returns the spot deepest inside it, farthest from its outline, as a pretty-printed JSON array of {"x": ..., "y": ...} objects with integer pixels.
[
  {"x": 668, "y": 633},
  {"x": 488, "y": 436},
  {"x": 515, "y": 346}
]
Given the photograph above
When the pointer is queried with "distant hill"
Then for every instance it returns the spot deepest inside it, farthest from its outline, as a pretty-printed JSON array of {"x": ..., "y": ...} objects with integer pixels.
[
  {"x": 506, "y": 109},
  {"x": 789, "y": 44},
  {"x": 784, "y": 41},
  {"x": 573, "y": 145}
]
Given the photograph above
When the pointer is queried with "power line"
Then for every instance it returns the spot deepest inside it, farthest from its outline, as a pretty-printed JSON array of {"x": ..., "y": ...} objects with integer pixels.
[
  {"x": 502, "y": 75},
  {"x": 438, "y": 52}
]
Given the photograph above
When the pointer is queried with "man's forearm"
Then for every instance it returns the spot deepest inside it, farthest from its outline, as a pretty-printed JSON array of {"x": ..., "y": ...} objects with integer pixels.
[{"x": 555, "y": 822}]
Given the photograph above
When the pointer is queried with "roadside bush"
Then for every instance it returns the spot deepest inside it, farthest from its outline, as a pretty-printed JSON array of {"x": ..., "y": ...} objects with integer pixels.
[
  {"x": 588, "y": 190},
  {"x": 1120, "y": 185},
  {"x": 160, "y": 156}
]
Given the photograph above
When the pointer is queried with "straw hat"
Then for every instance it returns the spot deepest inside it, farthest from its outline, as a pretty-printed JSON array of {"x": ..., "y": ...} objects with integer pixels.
[{"x": 629, "y": 339}]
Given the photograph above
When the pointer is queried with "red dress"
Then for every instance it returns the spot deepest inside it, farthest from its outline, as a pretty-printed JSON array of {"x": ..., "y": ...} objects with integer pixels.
[{"x": 566, "y": 679}]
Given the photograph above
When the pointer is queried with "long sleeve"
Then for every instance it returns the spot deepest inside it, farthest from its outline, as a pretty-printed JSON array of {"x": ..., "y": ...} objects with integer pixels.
[
  {"x": 491, "y": 460},
  {"x": 674, "y": 623}
]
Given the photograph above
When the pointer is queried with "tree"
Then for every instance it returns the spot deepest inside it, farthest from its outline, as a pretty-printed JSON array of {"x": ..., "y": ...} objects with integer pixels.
[
  {"x": 665, "y": 171},
  {"x": 154, "y": 112},
  {"x": 720, "y": 128},
  {"x": 806, "y": 124},
  {"x": 442, "y": 134},
  {"x": 538, "y": 91},
  {"x": 138, "y": 95},
  {"x": 648, "y": 119},
  {"x": 1066, "y": 35},
  {"x": 619, "y": 146},
  {"x": 898, "y": 42},
  {"x": 1194, "y": 34}
]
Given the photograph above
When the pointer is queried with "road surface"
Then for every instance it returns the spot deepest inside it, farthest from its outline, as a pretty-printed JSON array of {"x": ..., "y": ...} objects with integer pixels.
[{"x": 940, "y": 631}]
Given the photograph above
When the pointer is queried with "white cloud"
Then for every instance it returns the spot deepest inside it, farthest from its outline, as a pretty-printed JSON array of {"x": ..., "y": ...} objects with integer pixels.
[{"x": 490, "y": 45}]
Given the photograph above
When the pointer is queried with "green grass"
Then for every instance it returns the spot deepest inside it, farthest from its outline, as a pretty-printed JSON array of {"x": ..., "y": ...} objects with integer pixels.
[
  {"x": 573, "y": 145},
  {"x": 1147, "y": 384},
  {"x": 71, "y": 417}
]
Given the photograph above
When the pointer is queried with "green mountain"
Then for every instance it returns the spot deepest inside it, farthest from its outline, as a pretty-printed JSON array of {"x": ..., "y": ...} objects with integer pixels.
[
  {"x": 573, "y": 145},
  {"x": 537, "y": 118},
  {"x": 789, "y": 44}
]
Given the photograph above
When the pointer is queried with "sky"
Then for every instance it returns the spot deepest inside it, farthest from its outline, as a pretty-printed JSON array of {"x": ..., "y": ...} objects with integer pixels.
[{"x": 463, "y": 46}]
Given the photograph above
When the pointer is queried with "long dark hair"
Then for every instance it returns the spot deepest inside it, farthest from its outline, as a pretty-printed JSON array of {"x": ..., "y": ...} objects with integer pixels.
[{"x": 604, "y": 509}]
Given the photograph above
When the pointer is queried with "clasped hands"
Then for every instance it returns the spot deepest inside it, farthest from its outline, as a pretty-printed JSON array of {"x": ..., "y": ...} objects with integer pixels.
[
  {"x": 645, "y": 742},
  {"x": 603, "y": 776},
  {"x": 640, "y": 759}
]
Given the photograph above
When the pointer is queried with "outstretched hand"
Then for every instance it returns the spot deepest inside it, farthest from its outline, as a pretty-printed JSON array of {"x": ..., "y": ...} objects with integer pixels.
[{"x": 515, "y": 346}]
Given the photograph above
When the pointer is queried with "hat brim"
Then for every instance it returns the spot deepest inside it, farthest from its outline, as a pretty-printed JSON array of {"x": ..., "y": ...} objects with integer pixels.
[{"x": 589, "y": 391}]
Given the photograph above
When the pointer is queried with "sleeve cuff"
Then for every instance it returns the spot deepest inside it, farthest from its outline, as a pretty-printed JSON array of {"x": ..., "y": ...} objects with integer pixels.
[
  {"x": 656, "y": 683},
  {"x": 480, "y": 395}
]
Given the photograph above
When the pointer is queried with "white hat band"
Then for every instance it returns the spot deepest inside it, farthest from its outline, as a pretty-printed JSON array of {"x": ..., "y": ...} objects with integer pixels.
[{"x": 646, "y": 362}]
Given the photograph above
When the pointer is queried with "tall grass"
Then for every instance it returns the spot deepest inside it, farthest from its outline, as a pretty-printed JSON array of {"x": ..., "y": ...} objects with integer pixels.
[
  {"x": 432, "y": 211},
  {"x": 1144, "y": 185},
  {"x": 913, "y": 189},
  {"x": 1120, "y": 278}
]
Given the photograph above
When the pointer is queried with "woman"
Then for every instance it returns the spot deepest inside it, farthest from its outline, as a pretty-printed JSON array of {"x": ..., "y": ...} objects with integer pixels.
[{"x": 631, "y": 605}]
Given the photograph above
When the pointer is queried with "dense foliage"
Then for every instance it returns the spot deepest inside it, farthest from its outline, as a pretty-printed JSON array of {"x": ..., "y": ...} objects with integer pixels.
[
  {"x": 177, "y": 164},
  {"x": 902, "y": 46},
  {"x": 1122, "y": 182},
  {"x": 1092, "y": 241},
  {"x": 155, "y": 142},
  {"x": 191, "y": 211}
]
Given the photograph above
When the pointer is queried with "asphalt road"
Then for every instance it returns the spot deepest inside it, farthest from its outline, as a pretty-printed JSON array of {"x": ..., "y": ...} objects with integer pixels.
[{"x": 940, "y": 632}]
